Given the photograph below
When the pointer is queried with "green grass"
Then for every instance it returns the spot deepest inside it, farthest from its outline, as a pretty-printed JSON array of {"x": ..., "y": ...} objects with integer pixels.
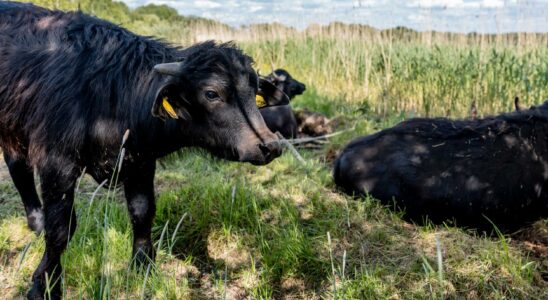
[
  {"x": 388, "y": 77},
  {"x": 234, "y": 230}
]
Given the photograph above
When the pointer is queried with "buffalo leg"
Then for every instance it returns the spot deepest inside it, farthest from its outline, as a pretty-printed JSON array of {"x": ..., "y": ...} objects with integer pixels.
[
  {"x": 23, "y": 178},
  {"x": 60, "y": 223},
  {"x": 139, "y": 190}
]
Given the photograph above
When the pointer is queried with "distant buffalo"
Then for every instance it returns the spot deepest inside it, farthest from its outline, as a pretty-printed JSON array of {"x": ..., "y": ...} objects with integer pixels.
[
  {"x": 312, "y": 123},
  {"x": 70, "y": 87},
  {"x": 278, "y": 87},
  {"x": 467, "y": 170}
]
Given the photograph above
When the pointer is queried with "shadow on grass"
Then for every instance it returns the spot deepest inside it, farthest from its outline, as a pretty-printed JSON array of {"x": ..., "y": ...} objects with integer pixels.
[{"x": 263, "y": 233}]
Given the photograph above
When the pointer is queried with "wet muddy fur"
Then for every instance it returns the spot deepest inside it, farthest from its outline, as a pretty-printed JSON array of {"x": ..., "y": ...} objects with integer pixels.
[{"x": 71, "y": 85}]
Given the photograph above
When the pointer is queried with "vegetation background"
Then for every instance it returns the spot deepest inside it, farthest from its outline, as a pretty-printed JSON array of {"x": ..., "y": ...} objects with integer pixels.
[{"x": 231, "y": 231}]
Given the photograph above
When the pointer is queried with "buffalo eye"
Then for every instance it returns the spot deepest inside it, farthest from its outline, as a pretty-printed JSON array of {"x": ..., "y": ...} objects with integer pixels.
[{"x": 211, "y": 95}]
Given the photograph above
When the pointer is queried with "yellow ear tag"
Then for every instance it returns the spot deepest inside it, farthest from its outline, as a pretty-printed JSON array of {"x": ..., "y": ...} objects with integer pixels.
[
  {"x": 260, "y": 101},
  {"x": 169, "y": 109}
]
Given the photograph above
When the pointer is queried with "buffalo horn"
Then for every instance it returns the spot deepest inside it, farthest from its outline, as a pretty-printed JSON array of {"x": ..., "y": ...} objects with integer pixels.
[{"x": 173, "y": 69}]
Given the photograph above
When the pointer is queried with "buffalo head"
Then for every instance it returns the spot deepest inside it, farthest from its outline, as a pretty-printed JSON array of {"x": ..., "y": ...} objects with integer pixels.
[{"x": 211, "y": 95}]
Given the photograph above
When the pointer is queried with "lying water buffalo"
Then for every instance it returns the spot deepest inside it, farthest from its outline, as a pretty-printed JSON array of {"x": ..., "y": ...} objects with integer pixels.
[
  {"x": 70, "y": 87},
  {"x": 280, "y": 118},
  {"x": 312, "y": 123},
  {"x": 464, "y": 170}
]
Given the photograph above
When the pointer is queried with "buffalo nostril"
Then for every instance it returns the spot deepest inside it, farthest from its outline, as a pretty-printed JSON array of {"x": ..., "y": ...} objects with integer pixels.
[
  {"x": 271, "y": 149},
  {"x": 265, "y": 150}
]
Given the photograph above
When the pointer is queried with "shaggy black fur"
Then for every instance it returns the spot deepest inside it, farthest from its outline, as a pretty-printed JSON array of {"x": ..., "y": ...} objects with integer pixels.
[
  {"x": 466, "y": 170},
  {"x": 70, "y": 87}
]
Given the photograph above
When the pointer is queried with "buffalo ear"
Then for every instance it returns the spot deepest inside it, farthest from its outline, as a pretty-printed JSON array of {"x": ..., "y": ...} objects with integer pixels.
[
  {"x": 272, "y": 95},
  {"x": 169, "y": 104}
]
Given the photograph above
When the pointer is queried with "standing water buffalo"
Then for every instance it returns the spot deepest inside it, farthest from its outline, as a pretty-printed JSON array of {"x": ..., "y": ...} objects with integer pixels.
[
  {"x": 277, "y": 88},
  {"x": 70, "y": 87},
  {"x": 466, "y": 170}
]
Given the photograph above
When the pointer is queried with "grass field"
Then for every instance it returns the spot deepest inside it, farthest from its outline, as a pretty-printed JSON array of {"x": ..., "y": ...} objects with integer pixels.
[{"x": 232, "y": 231}]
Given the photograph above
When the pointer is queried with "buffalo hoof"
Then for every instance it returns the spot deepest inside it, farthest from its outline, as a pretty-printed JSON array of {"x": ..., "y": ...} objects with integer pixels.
[{"x": 143, "y": 254}]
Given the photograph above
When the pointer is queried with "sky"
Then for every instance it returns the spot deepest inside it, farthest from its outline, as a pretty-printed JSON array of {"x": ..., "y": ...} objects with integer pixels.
[{"x": 494, "y": 16}]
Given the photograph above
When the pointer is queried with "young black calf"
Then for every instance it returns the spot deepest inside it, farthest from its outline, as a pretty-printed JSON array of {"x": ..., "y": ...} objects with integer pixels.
[
  {"x": 467, "y": 170},
  {"x": 70, "y": 87},
  {"x": 279, "y": 86}
]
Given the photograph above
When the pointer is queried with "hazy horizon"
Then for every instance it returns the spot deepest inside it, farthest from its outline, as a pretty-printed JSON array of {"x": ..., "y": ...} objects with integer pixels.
[{"x": 489, "y": 16}]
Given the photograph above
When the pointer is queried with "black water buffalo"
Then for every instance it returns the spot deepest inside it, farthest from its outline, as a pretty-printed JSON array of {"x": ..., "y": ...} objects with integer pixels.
[
  {"x": 466, "y": 170},
  {"x": 71, "y": 86},
  {"x": 281, "y": 118}
]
